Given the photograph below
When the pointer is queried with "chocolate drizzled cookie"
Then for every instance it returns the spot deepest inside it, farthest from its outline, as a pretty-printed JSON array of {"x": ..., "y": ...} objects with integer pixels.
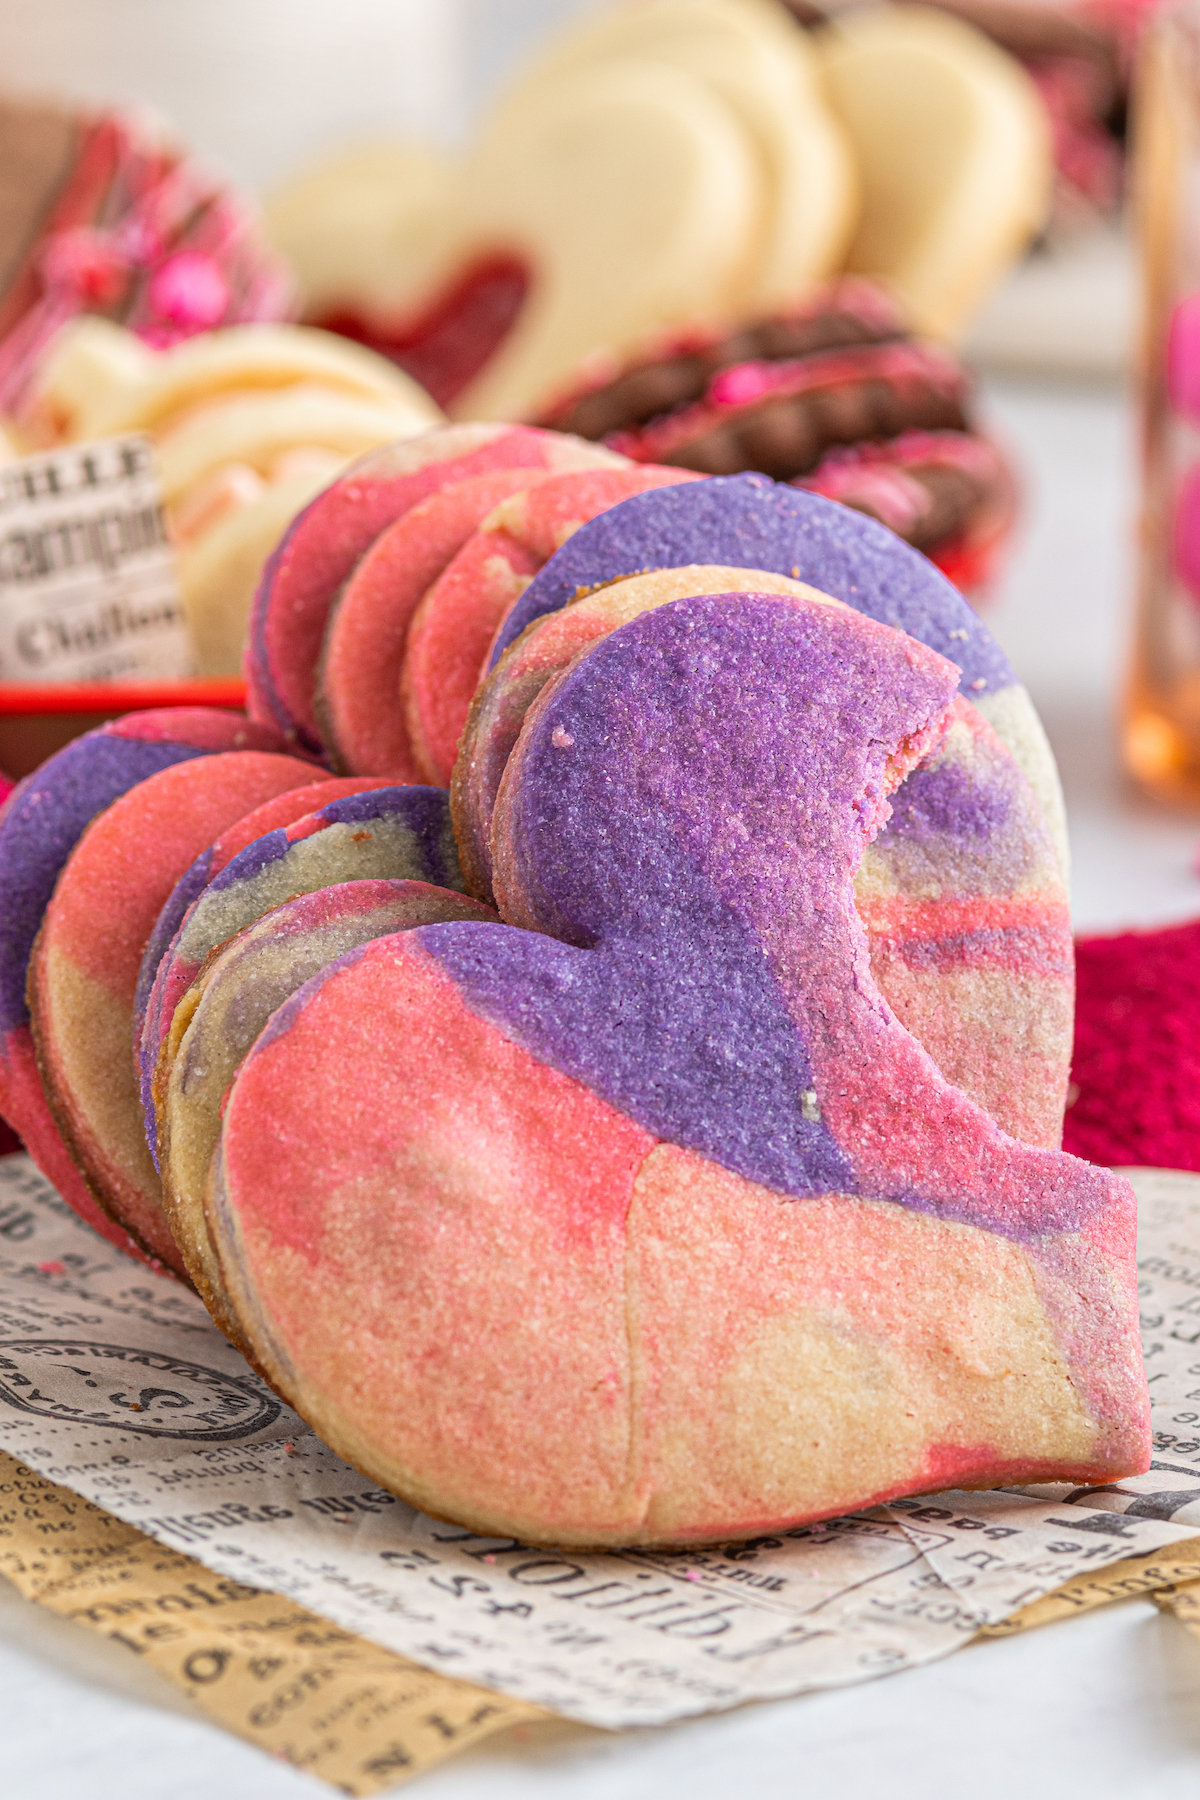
[{"x": 836, "y": 396}]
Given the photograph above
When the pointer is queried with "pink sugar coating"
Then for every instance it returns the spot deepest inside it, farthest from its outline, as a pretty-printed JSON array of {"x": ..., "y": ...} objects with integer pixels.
[
  {"x": 453, "y": 629},
  {"x": 448, "y": 642},
  {"x": 367, "y": 635},
  {"x": 125, "y": 865},
  {"x": 42, "y": 1139},
  {"x": 324, "y": 543},
  {"x": 103, "y": 911},
  {"x": 205, "y": 727}
]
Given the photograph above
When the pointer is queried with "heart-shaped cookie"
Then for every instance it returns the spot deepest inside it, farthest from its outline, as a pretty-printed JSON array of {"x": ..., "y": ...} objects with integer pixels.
[{"x": 646, "y": 1220}]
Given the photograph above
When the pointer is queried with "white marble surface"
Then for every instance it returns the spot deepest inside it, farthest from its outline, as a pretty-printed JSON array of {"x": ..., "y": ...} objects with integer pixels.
[{"x": 1106, "y": 1706}]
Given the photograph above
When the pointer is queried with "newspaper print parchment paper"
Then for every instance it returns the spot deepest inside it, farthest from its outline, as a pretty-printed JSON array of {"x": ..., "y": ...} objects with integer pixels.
[{"x": 115, "y": 1383}]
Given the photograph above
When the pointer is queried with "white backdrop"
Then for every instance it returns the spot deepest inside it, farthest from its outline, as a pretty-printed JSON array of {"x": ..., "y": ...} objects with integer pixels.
[{"x": 264, "y": 86}]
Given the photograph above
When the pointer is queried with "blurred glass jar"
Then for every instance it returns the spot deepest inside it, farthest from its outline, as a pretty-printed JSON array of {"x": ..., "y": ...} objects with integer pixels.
[{"x": 1161, "y": 731}]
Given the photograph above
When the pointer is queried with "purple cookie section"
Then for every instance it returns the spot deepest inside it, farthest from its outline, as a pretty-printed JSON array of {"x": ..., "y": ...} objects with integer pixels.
[
  {"x": 750, "y": 522},
  {"x": 257, "y": 662},
  {"x": 715, "y": 967},
  {"x": 946, "y": 802},
  {"x": 424, "y": 810},
  {"x": 677, "y": 1018},
  {"x": 41, "y": 825},
  {"x": 186, "y": 892}
]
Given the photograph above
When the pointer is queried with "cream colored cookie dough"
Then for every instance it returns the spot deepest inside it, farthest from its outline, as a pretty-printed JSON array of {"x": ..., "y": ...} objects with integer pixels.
[{"x": 953, "y": 147}]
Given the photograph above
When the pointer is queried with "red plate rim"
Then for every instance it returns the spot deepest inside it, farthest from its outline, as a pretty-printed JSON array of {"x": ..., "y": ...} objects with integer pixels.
[{"x": 122, "y": 696}]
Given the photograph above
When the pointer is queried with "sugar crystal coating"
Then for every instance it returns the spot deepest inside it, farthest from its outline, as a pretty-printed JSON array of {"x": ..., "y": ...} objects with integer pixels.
[{"x": 654, "y": 1155}]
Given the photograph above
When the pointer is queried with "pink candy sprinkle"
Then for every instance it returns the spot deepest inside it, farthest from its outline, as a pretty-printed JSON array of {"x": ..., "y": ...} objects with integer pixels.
[
  {"x": 52, "y": 1268},
  {"x": 1183, "y": 359},
  {"x": 289, "y": 1449},
  {"x": 741, "y": 384},
  {"x": 189, "y": 291},
  {"x": 692, "y": 1574},
  {"x": 489, "y": 1559}
]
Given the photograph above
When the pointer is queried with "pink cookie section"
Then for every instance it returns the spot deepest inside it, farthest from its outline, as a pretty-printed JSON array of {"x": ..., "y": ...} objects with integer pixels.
[
  {"x": 85, "y": 966},
  {"x": 452, "y": 632},
  {"x": 361, "y": 663},
  {"x": 9, "y": 1141},
  {"x": 323, "y": 544},
  {"x": 651, "y": 1293}
]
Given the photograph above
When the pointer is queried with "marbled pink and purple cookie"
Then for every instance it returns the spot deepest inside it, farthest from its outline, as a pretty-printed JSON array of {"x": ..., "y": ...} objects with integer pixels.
[
  {"x": 321, "y": 547},
  {"x": 84, "y": 965},
  {"x": 746, "y": 521},
  {"x": 416, "y": 619},
  {"x": 381, "y": 833},
  {"x": 40, "y": 826},
  {"x": 962, "y": 896},
  {"x": 661, "y": 1161},
  {"x": 452, "y": 630},
  {"x": 241, "y": 984},
  {"x": 281, "y": 810}
]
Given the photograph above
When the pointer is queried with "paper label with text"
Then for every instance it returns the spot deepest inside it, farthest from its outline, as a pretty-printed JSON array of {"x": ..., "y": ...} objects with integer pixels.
[
  {"x": 88, "y": 589},
  {"x": 115, "y": 1383}
]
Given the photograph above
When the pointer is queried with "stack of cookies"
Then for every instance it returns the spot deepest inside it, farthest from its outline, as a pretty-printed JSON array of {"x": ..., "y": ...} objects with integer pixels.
[{"x": 652, "y": 1137}]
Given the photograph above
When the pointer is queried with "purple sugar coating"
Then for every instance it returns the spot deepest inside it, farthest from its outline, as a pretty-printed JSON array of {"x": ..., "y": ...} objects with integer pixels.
[
  {"x": 678, "y": 1018},
  {"x": 947, "y": 801},
  {"x": 751, "y": 522},
  {"x": 424, "y": 810},
  {"x": 713, "y": 956},
  {"x": 42, "y": 824}
]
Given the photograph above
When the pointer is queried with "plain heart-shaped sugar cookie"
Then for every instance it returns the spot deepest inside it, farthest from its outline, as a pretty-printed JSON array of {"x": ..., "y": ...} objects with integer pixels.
[
  {"x": 953, "y": 146},
  {"x": 751, "y": 59},
  {"x": 640, "y": 1217},
  {"x": 629, "y": 189}
]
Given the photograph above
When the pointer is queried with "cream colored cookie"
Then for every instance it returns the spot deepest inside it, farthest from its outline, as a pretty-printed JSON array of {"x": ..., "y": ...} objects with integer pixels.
[
  {"x": 632, "y": 192},
  {"x": 245, "y": 356},
  {"x": 256, "y": 427},
  {"x": 753, "y": 38},
  {"x": 754, "y": 59},
  {"x": 88, "y": 364},
  {"x": 954, "y": 150},
  {"x": 765, "y": 71},
  {"x": 219, "y": 571},
  {"x": 370, "y": 229}
]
